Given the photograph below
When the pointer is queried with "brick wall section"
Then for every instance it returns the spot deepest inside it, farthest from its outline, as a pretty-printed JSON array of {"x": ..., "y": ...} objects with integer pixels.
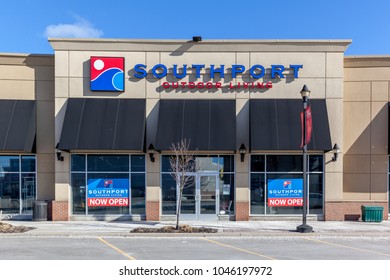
[
  {"x": 152, "y": 211},
  {"x": 242, "y": 211},
  {"x": 350, "y": 211},
  {"x": 58, "y": 211}
]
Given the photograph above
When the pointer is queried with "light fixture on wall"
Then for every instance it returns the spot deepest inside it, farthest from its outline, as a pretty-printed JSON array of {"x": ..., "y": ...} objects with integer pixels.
[
  {"x": 197, "y": 39},
  {"x": 242, "y": 151},
  {"x": 60, "y": 157},
  {"x": 336, "y": 151},
  {"x": 151, "y": 152}
]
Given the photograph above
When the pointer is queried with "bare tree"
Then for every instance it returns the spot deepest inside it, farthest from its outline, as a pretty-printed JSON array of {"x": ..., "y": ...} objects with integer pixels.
[{"x": 182, "y": 162}]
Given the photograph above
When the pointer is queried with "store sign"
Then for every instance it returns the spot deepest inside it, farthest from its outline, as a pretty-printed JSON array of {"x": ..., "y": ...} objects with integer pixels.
[
  {"x": 256, "y": 71},
  {"x": 107, "y": 73},
  {"x": 285, "y": 192},
  {"x": 108, "y": 192}
]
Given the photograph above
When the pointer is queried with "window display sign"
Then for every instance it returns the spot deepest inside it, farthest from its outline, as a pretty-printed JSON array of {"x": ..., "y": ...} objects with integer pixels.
[
  {"x": 226, "y": 189},
  {"x": 108, "y": 192},
  {"x": 285, "y": 192}
]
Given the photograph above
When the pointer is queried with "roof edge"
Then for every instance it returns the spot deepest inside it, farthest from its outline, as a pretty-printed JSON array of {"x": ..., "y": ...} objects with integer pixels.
[
  {"x": 27, "y": 59},
  {"x": 93, "y": 44},
  {"x": 367, "y": 61}
]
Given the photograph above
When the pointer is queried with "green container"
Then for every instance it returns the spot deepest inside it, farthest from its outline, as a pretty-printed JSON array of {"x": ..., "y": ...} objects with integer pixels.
[{"x": 372, "y": 213}]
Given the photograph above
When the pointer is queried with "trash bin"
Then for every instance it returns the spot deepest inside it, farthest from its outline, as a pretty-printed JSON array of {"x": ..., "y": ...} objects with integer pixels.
[
  {"x": 372, "y": 213},
  {"x": 40, "y": 210}
]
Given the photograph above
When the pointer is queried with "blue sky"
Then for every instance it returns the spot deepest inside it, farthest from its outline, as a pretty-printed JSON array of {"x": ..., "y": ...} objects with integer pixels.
[{"x": 25, "y": 25}]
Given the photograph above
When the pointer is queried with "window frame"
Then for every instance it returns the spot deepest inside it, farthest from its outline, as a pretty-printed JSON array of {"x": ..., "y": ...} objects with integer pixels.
[
  {"x": 265, "y": 173},
  {"x": 85, "y": 172},
  {"x": 203, "y": 172},
  {"x": 20, "y": 175}
]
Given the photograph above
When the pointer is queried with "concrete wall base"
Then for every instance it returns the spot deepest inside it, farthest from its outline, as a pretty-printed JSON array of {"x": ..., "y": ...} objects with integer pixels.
[
  {"x": 108, "y": 218},
  {"x": 297, "y": 218}
]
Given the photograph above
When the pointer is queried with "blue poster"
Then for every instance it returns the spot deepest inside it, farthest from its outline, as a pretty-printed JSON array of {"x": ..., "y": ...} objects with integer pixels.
[
  {"x": 285, "y": 192},
  {"x": 108, "y": 192}
]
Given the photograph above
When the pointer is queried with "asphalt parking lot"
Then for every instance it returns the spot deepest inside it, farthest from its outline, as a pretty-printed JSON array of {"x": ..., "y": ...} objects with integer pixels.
[
  {"x": 195, "y": 248},
  {"x": 234, "y": 241}
]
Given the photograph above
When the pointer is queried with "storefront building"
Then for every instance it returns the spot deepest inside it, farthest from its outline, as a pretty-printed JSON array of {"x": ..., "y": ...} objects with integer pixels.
[{"x": 90, "y": 129}]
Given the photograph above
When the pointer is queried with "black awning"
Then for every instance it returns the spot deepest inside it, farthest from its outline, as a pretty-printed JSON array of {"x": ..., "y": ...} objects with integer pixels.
[
  {"x": 275, "y": 124},
  {"x": 17, "y": 125},
  {"x": 103, "y": 124},
  {"x": 209, "y": 125}
]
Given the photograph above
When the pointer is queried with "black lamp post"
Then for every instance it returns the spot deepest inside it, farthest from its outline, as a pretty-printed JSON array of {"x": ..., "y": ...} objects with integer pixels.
[{"x": 304, "y": 228}]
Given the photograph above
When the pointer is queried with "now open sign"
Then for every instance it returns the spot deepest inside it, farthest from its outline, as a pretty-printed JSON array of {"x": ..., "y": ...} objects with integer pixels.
[
  {"x": 285, "y": 192},
  {"x": 108, "y": 192}
]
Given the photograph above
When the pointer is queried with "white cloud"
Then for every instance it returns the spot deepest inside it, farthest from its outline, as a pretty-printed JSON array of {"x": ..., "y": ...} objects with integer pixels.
[{"x": 80, "y": 29}]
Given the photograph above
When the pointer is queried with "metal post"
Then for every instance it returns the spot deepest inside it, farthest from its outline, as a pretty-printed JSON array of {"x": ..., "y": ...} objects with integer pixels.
[{"x": 304, "y": 228}]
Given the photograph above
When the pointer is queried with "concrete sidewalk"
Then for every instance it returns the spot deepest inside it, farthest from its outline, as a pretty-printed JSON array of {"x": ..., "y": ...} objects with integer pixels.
[{"x": 225, "y": 228}]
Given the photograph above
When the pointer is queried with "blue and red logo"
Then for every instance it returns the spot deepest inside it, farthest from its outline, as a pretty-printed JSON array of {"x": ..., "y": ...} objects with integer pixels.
[
  {"x": 108, "y": 184},
  {"x": 107, "y": 73},
  {"x": 287, "y": 185}
]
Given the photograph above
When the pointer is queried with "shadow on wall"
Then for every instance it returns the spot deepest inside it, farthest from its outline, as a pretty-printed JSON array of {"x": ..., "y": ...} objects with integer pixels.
[
  {"x": 368, "y": 154},
  {"x": 44, "y": 91},
  {"x": 183, "y": 48},
  {"x": 43, "y": 66},
  {"x": 86, "y": 84}
]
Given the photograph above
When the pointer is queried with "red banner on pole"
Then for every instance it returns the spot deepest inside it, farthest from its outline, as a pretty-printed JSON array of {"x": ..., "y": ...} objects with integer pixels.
[{"x": 309, "y": 126}]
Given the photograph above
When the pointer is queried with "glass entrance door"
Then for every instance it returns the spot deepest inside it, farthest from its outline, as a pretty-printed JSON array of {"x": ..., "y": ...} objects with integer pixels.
[
  {"x": 207, "y": 186},
  {"x": 200, "y": 198},
  {"x": 28, "y": 194},
  {"x": 188, "y": 200}
]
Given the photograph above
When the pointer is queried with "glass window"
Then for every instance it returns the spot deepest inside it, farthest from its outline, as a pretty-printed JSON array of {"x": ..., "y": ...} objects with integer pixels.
[
  {"x": 17, "y": 185},
  {"x": 165, "y": 163},
  {"x": 105, "y": 184},
  {"x": 28, "y": 163},
  {"x": 285, "y": 167},
  {"x": 226, "y": 163},
  {"x": 257, "y": 194},
  {"x": 207, "y": 163},
  {"x": 28, "y": 191},
  {"x": 138, "y": 163},
  {"x": 168, "y": 193},
  {"x": 108, "y": 163},
  {"x": 9, "y": 193},
  {"x": 316, "y": 163},
  {"x": 138, "y": 193},
  {"x": 284, "y": 163},
  {"x": 9, "y": 163},
  {"x": 258, "y": 163},
  {"x": 78, "y": 163},
  {"x": 316, "y": 199},
  {"x": 78, "y": 193},
  {"x": 226, "y": 194}
]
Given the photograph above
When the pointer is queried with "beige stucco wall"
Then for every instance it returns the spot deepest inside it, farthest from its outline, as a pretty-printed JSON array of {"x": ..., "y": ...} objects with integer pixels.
[
  {"x": 31, "y": 77},
  {"x": 322, "y": 71},
  {"x": 366, "y": 97},
  {"x": 356, "y": 90}
]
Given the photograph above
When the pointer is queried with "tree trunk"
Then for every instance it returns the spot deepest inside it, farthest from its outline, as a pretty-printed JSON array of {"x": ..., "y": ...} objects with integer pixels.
[{"x": 178, "y": 208}]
